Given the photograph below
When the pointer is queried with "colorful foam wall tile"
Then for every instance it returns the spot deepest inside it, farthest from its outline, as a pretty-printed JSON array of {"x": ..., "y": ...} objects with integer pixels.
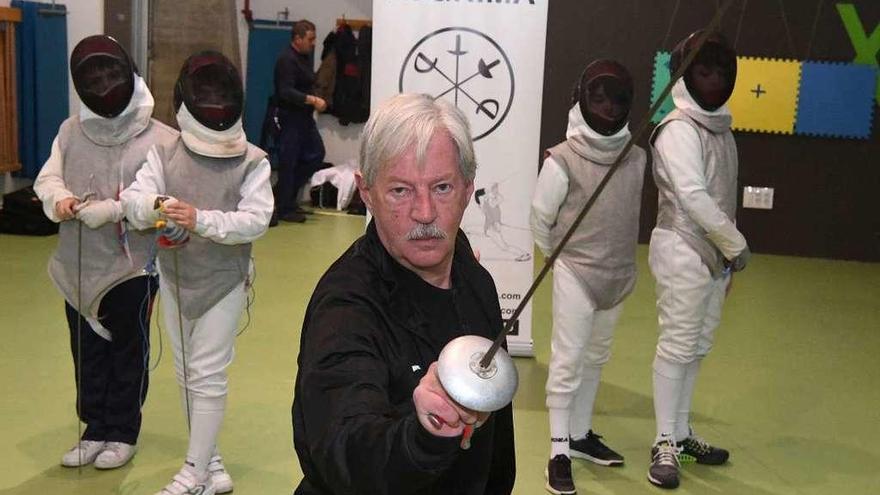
[
  {"x": 836, "y": 100},
  {"x": 661, "y": 79},
  {"x": 765, "y": 97}
]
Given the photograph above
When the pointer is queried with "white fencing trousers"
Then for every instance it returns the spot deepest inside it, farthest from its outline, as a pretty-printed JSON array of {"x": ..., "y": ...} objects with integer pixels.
[
  {"x": 579, "y": 346},
  {"x": 689, "y": 300},
  {"x": 209, "y": 348}
]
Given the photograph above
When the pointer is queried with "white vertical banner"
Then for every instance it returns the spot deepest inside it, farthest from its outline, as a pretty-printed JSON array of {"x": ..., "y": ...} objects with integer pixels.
[{"x": 486, "y": 57}]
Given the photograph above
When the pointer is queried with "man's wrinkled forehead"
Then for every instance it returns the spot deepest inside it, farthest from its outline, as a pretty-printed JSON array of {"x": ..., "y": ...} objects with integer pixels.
[{"x": 416, "y": 151}]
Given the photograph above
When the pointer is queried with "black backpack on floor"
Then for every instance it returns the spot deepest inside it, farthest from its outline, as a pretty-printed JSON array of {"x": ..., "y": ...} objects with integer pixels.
[{"x": 22, "y": 214}]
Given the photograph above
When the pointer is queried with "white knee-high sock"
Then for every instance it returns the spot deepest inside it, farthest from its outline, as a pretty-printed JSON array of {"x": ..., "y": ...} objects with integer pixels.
[
  {"x": 207, "y": 416},
  {"x": 668, "y": 384},
  {"x": 682, "y": 422},
  {"x": 584, "y": 400},
  {"x": 559, "y": 433}
]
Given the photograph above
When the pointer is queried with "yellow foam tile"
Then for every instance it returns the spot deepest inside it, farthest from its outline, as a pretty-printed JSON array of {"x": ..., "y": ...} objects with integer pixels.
[{"x": 766, "y": 95}]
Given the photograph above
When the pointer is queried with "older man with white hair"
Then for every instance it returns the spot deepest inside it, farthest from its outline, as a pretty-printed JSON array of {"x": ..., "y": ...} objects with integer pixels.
[{"x": 367, "y": 397}]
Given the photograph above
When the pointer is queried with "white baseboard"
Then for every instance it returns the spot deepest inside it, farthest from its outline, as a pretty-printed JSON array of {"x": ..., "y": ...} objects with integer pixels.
[{"x": 520, "y": 348}]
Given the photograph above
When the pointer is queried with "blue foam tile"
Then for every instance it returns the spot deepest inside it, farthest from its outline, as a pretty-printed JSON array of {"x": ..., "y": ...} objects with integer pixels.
[{"x": 836, "y": 100}]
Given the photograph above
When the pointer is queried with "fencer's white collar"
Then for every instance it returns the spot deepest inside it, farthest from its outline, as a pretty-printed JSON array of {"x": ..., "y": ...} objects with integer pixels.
[
  {"x": 208, "y": 142},
  {"x": 590, "y": 144},
  {"x": 131, "y": 122}
]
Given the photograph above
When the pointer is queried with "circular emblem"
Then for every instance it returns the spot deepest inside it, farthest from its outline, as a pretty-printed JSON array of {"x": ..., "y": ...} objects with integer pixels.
[{"x": 466, "y": 68}]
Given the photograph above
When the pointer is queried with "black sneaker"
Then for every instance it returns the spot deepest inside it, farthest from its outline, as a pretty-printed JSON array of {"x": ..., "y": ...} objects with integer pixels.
[
  {"x": 695, "y": 449},
  {"x": 558, "y": 476},
  {"x": 293, "y": 217},
  {"x": 664, "y": 465},
  {"x": 592, "y": 449}
]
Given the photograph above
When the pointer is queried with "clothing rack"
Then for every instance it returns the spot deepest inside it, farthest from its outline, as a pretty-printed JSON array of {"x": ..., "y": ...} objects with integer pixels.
[{"x": 356, "y": 24}]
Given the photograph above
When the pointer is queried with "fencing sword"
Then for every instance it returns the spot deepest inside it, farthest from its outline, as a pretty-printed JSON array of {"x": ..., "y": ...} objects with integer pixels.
[
  {"x": 182, "y": 342},
  {"x": 79, "y": 231},
  {"x": 476, "y": 372},
  {"x": 79, "y": 319}
]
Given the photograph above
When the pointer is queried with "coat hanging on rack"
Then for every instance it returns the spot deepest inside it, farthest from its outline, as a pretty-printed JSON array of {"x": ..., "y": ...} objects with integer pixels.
[
  {"x": 325, "y": 79},
  {"x": 365, "y": 63},
  {"x": 346, "y": 98}
]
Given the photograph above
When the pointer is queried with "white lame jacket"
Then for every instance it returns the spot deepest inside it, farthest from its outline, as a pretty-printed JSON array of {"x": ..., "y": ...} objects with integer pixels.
[
  {"x": 550, "y": 192},
  {"x": 551, "y": 188},
  {"x": 50, "y": 185},
  {"x": 680, "y": 146}
]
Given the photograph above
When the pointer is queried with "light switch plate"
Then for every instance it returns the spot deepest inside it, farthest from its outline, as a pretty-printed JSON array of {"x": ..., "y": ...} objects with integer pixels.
[{"x": 758, "y": 197}]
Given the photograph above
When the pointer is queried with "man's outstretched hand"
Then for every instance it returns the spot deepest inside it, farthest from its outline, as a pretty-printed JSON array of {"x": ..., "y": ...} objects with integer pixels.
[{"x": 430, "y": 398}]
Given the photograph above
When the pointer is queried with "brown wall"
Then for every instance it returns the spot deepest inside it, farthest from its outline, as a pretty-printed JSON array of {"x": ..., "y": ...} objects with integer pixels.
[
  {"x": 117, "y": 21},
  {"x": 179, "y": 29},
  {"x": 827, "y": 191}
]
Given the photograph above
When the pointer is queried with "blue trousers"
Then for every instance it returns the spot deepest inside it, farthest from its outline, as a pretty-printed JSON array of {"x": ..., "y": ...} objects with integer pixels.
[{"x": 300, "y": 153}]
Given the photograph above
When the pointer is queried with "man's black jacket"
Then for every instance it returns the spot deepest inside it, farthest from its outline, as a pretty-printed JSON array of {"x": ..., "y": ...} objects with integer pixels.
[
  {"x": 293, "y": 79},
  {"x": 363, "y": 350}
]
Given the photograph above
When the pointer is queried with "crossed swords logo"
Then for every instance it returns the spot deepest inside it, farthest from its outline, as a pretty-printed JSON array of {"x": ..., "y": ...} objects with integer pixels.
[
  {"x": 424, "y": 65},
  {"x": 486, "y": 68}
]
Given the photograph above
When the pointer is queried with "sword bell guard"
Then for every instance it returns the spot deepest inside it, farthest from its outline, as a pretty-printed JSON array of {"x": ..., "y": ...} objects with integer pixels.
[{"x": 469, "y": 384}]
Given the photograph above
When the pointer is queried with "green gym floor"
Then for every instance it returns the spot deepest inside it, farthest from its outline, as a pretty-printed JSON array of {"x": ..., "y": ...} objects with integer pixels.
[{"x": 792, "y": 387}]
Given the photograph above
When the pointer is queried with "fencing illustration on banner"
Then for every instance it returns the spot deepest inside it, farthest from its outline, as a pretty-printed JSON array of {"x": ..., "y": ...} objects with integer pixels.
[{"x": 466, "y": 54}]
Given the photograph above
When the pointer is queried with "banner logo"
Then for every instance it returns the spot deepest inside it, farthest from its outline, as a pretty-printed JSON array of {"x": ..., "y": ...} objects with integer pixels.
[{"x": 465, "y": 67}]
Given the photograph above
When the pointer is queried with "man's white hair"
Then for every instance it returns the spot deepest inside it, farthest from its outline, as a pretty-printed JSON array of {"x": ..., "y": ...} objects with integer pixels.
[{"x": 411, "y": 120}]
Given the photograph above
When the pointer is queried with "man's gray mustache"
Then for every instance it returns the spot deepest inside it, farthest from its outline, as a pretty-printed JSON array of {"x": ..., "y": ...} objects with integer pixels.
[{"x": 425, "y": 231}]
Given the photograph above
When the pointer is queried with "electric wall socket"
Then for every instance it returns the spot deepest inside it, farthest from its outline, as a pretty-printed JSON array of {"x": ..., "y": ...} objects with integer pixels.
[{"x": 758, "y": 197}]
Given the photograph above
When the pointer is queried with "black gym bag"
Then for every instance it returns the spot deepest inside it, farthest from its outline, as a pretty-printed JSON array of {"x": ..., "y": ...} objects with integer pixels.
[{"x": 22, "y": 214}]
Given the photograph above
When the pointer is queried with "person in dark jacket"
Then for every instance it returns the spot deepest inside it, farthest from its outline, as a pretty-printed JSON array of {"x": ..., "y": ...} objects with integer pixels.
[
  {"x": 380, "y": 316},
  {"x": 301, "y": 150}
]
